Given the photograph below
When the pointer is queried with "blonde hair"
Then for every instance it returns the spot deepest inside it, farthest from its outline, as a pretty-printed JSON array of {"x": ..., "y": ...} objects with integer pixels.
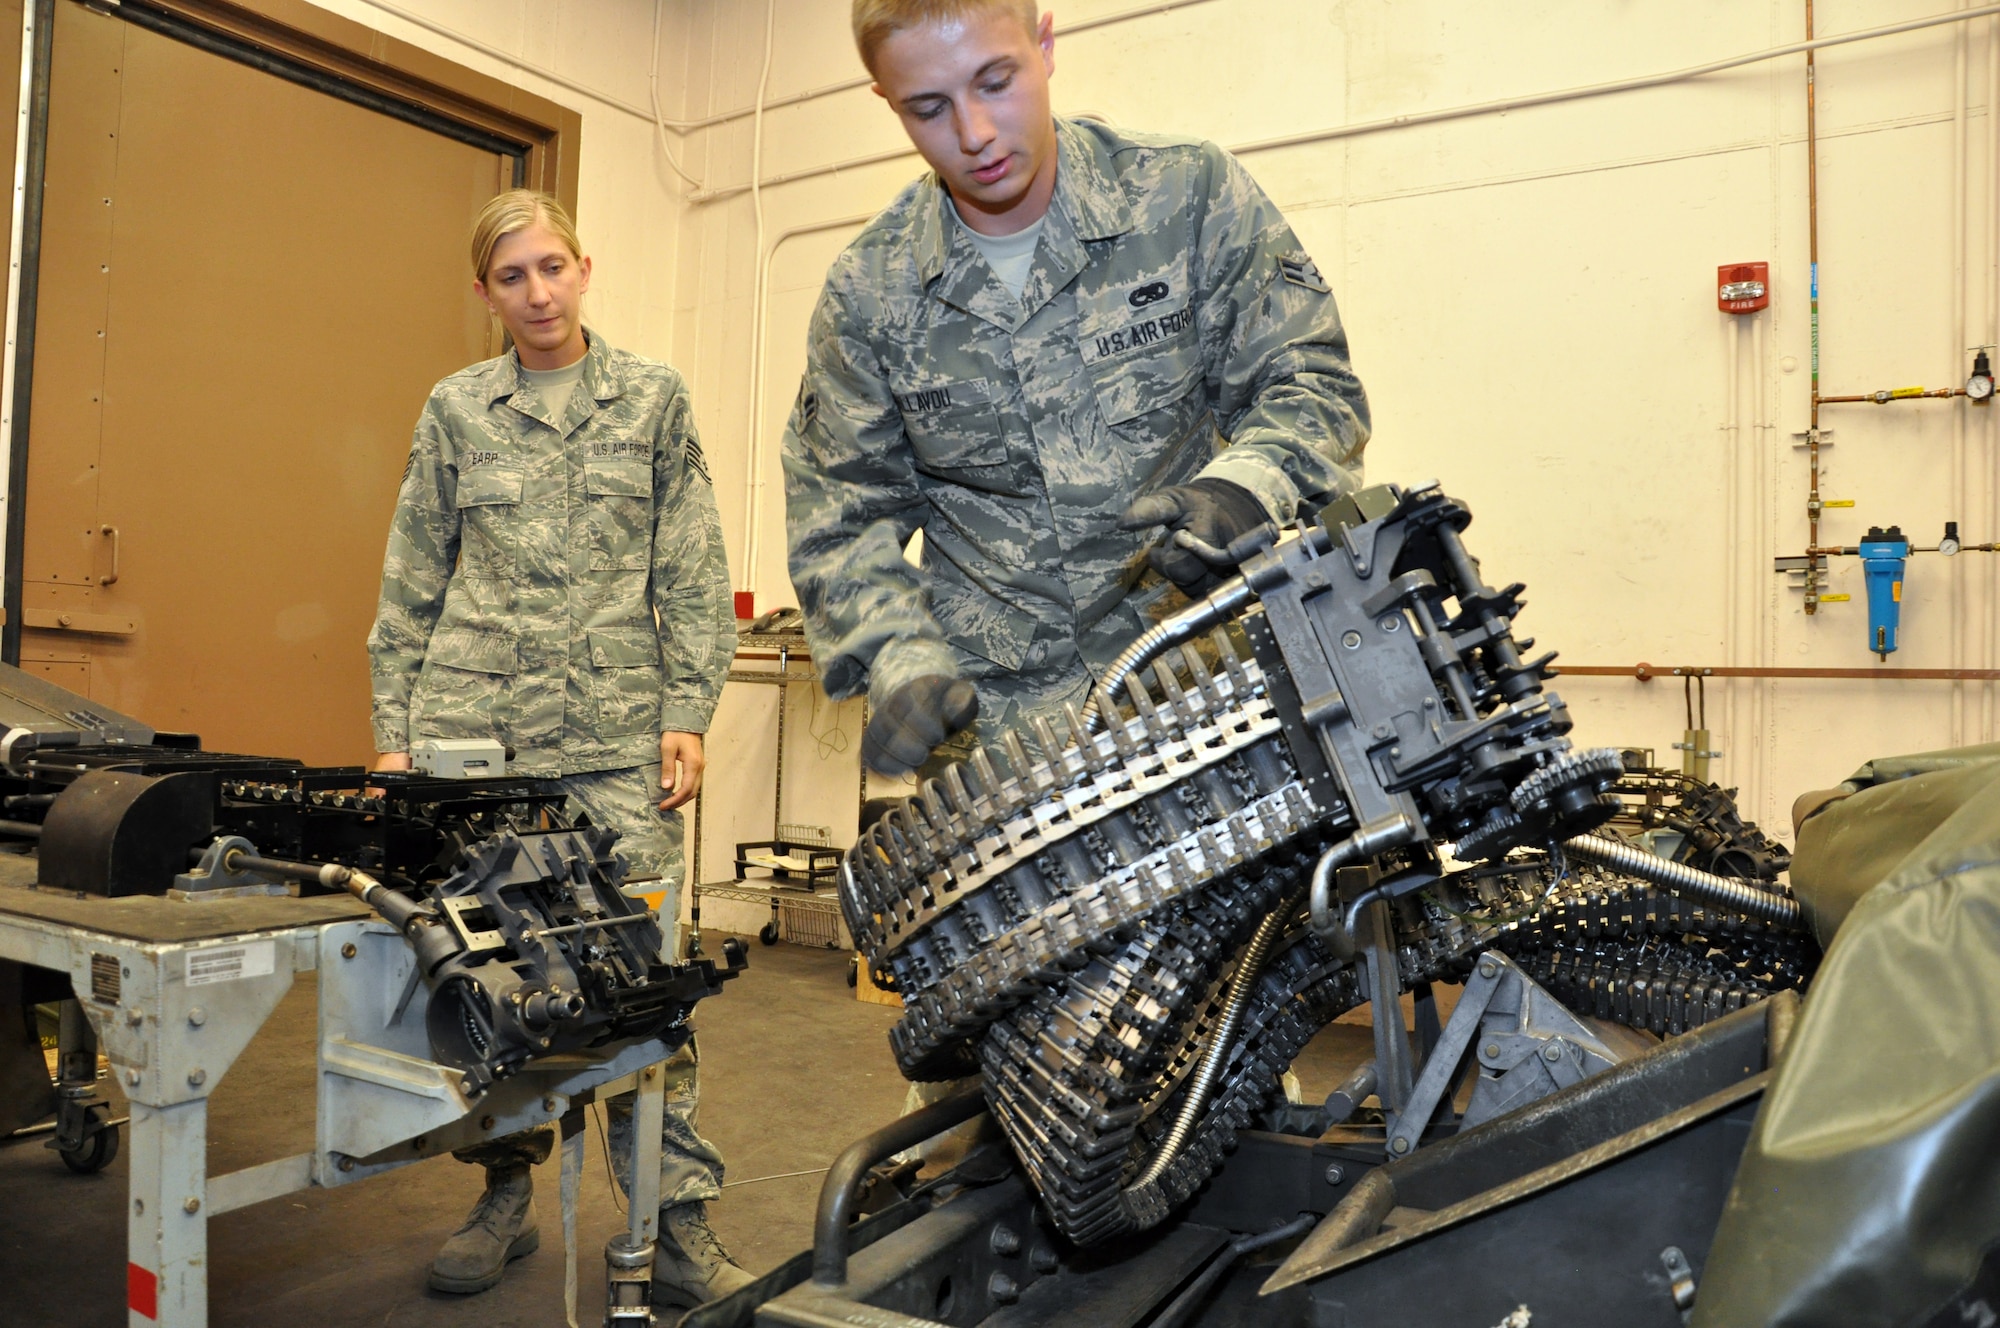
[
  {"x": 876, "y": 20},
  {"x": 516, "y": 210}
]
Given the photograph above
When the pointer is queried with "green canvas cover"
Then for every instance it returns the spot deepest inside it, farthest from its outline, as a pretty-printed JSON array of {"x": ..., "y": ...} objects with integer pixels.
[{"x": 1870, "y": 1188}]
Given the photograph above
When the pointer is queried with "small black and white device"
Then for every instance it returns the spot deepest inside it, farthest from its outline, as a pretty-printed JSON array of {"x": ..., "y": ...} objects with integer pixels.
[
  {"x": 1979, "y": 386},
  {"x": 459, "y": 758}
]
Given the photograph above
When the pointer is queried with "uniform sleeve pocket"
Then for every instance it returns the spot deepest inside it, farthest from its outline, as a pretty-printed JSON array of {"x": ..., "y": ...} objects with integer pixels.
[
  {"x": 617, "y": 479},
  {"x": 484, "y": 487},
  {"x": 1129, "y": 388},
  {"x": 623, "y": 648},
  {"x": 626, "y": 682},
  {"x": 477, "y": 652}
]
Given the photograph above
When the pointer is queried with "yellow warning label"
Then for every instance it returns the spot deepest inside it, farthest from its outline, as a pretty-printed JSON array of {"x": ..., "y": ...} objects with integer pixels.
[
  {"x": 1896, "y": 591},
  {"x": 1838, "y": 502},
  {"x": 1835, "y": 599}
]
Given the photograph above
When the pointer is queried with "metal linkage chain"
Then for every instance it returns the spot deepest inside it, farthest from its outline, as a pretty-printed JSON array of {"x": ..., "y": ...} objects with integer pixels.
[
  {"x": 1071, "y": 1074},
  {"x": 1715, "y": 837},
  {"x": 1659, "y": 986},
  {"x": 1085, "y": 1081},
  {"x": 1623, "y": 950},
  {"x": 1006, "y": 807},
  {"x": 1301, "y": 991},
  {"x": 1187, "y": 790}
]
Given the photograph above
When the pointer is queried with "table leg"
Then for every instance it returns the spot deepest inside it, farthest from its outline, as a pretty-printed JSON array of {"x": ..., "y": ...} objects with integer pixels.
[
  {"x": 167, "y": 1221},
  {"x": 648, "y": 1112}
]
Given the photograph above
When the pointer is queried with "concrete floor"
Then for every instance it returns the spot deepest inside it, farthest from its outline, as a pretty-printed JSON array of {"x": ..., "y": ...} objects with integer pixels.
[{"x": 793, "y": 1069}]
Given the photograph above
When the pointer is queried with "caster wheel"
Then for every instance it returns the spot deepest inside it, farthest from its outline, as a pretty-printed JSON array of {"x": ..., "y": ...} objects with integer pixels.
[
  {"x": 768, "y": 933},
  {"x": 96, "y": 1153},
  {"x": 854, "y": 972}
]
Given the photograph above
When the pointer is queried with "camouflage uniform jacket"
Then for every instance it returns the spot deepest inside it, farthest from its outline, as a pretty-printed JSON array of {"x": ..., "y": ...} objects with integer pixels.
[
  {"x": 1169, "y": 307},
  {"x": 557, "y": 584}
]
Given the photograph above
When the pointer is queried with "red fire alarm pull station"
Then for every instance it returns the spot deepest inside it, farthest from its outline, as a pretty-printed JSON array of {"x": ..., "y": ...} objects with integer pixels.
[{"x": 1743, "y": 288}]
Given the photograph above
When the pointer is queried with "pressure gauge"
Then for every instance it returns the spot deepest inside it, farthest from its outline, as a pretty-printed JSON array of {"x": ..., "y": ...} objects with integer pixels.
[
  {"x": 1949, "y": 544},
  {"x": 1979, "y": 387}
]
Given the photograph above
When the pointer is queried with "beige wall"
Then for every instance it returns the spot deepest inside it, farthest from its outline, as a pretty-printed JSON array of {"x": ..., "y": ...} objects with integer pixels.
[
  {"x": 1530, "y": 297},
  {"x": 628, "y": 207},
  {"x": 1531, "y": 301}
]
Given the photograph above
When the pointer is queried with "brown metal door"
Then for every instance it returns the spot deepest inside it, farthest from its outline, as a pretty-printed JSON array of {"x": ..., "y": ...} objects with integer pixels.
[{"x": 247, "y": 288}]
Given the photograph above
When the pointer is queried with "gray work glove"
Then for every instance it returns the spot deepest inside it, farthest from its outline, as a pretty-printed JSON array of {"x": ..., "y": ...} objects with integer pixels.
[
  {"x": 914, "y": 719},
  {"x": 1215, "y": 513}
]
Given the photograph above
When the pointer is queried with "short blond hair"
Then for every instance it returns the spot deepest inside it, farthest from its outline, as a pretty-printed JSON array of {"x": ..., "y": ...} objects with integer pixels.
[
  {"x": 516, "y": 210},
  {"x": 876, "y": 20}
]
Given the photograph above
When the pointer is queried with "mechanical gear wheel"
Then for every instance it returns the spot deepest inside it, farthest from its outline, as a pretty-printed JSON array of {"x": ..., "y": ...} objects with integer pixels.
[
  {"x": 1537, "y": 797},
  {"x": 1500, "y": 831}
]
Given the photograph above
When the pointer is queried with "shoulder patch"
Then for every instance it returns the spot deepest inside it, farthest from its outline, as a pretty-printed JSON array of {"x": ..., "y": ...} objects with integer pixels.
[
  {"x": 1300, "y": 270},
  {"x": 696, "y": 462}
]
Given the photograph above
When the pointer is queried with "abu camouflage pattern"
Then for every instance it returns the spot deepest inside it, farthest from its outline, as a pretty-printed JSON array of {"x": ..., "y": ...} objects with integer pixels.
[
  {"x": 557, "y": 584},
  {"x": 1169, "y": 308}
]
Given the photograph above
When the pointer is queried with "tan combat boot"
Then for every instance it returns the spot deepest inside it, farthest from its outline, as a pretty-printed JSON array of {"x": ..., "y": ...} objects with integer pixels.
[
  {"x": 502, "y": 1227},
  {"x": 690, "y": 1266}
]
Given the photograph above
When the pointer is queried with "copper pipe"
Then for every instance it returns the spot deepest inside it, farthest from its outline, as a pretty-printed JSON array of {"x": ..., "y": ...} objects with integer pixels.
[
  {"x": 1812, "y": 246},
  {"x": 1905, "y": 394},
  {"x": 1647, "y": 672}
]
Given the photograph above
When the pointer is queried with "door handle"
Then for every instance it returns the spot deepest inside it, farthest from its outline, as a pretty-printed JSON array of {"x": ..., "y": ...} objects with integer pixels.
[{"x": 112, "y": 576}]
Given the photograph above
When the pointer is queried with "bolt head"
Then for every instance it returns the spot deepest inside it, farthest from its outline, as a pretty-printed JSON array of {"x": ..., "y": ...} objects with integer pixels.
[
  {"x": 197, "y": 1077},
  {"x": 548, "y": 1104},
  {"x": 192, "y": 1206},
  {"x": 347, "y": 1164},
  {"x": 1490, "y": 1051},
  {"x": 197, "y": 1016},
  {"x": 348, "y": 951},
  {"x": 1044, "y": 1259},
  {"x": 1399, "y": 1145},
  {"x": 1335, "y": 1173},
  {"x": 1552, "y": 1052},
  {"x": 1004, "y": 1240},
  {"x": 485, "y": 1122},
  {"x": 1003, "y": 1289},
  {"x": 1488, "y": 969},
  {"x": 135, "y": 1016},
  {"x": 132, "y": 1078},
  {"x": 1351, "y": 640}
]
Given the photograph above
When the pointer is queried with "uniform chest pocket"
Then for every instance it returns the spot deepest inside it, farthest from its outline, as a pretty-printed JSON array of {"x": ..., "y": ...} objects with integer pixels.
[
  {"x": 488, "y": 500},
  {"x": 953, "y": 426},
  {"x": 487, "y": 486},
  {"x": 621, "y": 514},
  {"x": 1151, "y": 392}
]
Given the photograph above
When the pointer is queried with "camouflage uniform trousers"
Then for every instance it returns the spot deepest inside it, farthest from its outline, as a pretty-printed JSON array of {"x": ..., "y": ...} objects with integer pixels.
[{"x": 691, "y": 1168}]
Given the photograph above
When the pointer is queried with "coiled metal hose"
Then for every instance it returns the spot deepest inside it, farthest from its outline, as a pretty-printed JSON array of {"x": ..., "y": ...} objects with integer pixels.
[
  {"x": 1689, "y": 882},
  {"x": 1216, "y": 1055},
  {"x": 1218, "y": 606}
]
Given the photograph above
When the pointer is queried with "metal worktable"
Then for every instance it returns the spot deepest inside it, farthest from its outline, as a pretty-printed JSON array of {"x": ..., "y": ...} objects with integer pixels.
[{"x": 176, "y": 989}]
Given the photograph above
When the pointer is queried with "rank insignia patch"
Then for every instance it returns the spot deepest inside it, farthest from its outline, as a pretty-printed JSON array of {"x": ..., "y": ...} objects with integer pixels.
[{"x": 1301, "y": 271}]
